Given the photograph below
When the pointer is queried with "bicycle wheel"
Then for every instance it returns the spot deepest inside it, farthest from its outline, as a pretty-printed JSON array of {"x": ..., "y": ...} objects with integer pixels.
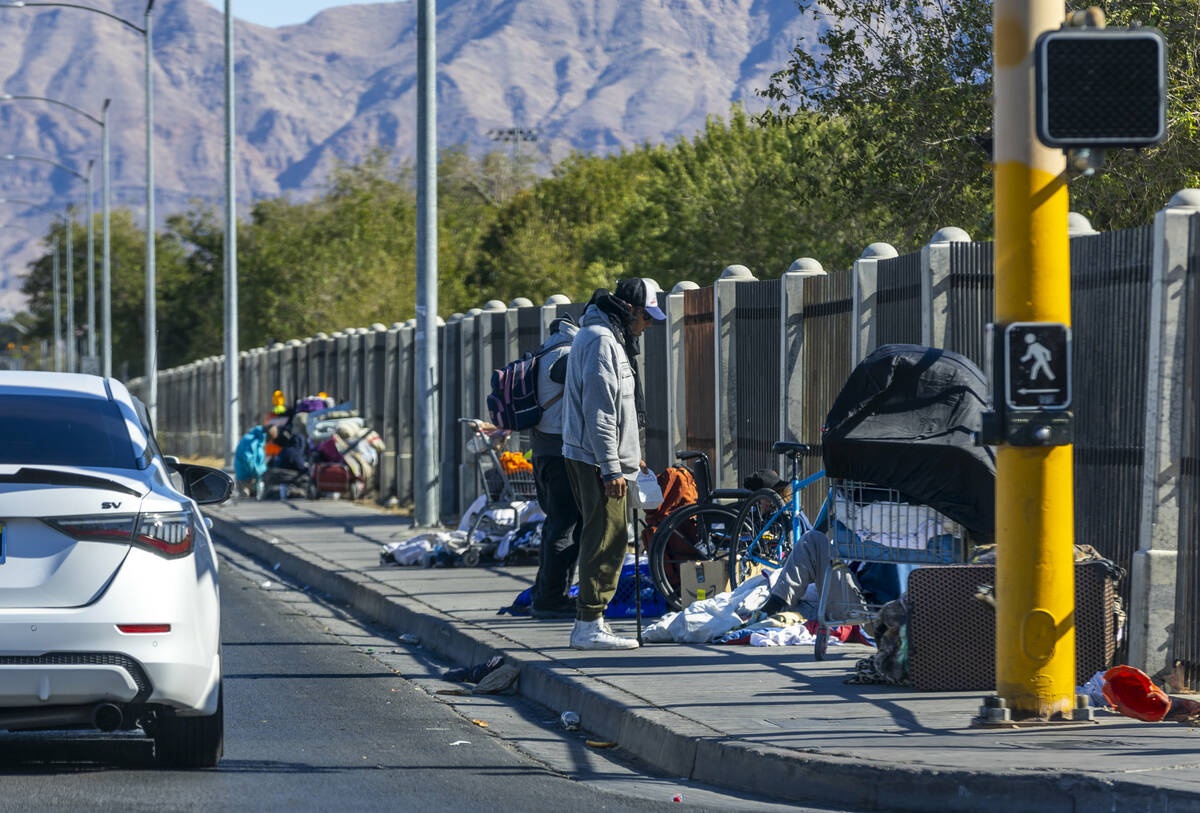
[
  {"x": 693, "y": 533},
  {"x": 764, "y": 536}
]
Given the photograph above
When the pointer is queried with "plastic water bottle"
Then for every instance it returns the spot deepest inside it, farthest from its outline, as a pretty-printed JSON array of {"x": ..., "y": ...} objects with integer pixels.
[{"x": 570, "y": 720}]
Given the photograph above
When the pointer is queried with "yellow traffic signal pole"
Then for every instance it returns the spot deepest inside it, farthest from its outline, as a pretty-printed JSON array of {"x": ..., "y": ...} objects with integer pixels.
[{"x": 1035, "y": 522}]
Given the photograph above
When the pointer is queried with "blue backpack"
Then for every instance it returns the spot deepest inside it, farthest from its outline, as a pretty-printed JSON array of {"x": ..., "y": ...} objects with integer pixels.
[{"x": 513, "y": 402}]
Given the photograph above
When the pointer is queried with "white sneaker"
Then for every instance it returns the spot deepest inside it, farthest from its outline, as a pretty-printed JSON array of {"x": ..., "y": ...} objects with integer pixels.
[{"x": 594, "y": 635}]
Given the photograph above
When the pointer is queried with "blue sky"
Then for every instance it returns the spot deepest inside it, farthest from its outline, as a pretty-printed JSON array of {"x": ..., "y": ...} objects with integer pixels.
[{"x": 280, "y": 12}]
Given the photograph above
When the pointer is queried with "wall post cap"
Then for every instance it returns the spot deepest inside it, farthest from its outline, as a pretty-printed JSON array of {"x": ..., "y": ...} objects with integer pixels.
[
  {"x": 739, "y": 272},
  {"x": 1078, "y": 225},
  {"x": 494, "y": 305},
  {"x": 684, "y": 285},
  {"x": 521, "y": 302},
  {"x": 879, "y": 251},
  {"x": 559, "y": 299},
  {"x": 1185, "y": 199},
  {"x": 807, "y": 266},
  {"x": 950, "y": 234}
]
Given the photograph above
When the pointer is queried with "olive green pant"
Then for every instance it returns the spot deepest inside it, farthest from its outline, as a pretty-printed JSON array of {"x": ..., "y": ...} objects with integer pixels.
[{"x": 602, "y": 540}]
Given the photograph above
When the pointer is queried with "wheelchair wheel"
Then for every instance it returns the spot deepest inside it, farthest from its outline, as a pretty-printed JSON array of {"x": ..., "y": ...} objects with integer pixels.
[
  {"x": 694, "y": 533},
  {"x": 764, "y": 536}
]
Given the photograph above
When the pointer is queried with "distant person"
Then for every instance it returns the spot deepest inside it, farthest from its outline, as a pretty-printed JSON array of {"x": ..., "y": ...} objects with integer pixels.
[
  {"x": 560, "y": 531},
  {"x": 250, "y": 458},
  {"x": 603, "y": 424}
]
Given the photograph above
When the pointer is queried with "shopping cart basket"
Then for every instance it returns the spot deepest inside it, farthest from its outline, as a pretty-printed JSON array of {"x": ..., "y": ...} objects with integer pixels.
[{"x": 872, "y": 523}]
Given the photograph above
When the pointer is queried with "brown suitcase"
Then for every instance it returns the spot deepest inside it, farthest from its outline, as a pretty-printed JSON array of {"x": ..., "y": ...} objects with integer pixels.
[{"x": 952, "y": 634}]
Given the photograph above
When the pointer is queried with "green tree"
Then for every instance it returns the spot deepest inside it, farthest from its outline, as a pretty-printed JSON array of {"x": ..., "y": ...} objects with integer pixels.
[
  {"x": 910, "y": 81},
  {"x": 128, "y": 252}
]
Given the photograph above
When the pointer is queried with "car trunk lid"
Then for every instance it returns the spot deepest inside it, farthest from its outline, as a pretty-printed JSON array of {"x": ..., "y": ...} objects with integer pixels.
[{"x": 63, "y": 534}]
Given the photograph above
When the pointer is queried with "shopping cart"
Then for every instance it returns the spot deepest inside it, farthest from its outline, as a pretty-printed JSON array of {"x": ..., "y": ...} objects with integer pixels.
[
  {"x": 871, "y": 523},
  {"x": 506, "y": 491}
]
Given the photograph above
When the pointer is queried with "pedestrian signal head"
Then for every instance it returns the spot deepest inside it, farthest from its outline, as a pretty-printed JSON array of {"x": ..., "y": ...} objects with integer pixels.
[{"x": 1101, "y": 87}]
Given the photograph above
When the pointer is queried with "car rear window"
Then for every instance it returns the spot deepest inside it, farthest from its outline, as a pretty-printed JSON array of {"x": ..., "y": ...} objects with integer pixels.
[{"x": 64, "y": 431}]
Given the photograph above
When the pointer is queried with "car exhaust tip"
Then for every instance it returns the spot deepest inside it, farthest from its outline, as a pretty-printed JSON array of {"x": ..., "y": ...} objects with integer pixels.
[{"x": 107, "y": 716}]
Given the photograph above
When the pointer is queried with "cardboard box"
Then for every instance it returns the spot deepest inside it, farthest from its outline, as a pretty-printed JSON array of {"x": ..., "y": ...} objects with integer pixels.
[{"x": 701, "y": 580}]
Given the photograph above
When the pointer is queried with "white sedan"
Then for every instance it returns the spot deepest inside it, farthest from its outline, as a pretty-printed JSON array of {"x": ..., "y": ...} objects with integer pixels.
[{"x": 109, "y": 605}]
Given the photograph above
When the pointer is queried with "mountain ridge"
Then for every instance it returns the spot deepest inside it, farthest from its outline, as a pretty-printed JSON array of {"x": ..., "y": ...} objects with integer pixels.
[{"x": 590, "y": 75}]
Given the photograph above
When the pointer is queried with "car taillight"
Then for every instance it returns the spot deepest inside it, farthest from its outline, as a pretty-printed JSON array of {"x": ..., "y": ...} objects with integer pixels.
[
  {"x": 168, "y": 535},
  {"x": 101, "y": 528},
  {"x": 144, "y": 628}
]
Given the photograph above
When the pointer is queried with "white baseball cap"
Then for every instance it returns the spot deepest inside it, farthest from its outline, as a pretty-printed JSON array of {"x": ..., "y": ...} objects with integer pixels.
[{"x": 641, "y": 292}]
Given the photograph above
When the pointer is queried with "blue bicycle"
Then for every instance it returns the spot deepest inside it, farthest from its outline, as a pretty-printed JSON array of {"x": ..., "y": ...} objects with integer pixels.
[{"x": 767, "y": 528}]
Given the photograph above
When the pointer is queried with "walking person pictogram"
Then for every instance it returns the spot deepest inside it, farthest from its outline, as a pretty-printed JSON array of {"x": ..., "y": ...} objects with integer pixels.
[{"x": 1040, "y": 356}]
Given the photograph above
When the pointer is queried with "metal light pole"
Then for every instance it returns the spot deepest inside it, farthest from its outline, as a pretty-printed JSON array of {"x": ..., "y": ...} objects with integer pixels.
[
  {"x": 232, "y": 394},
  {"x": 425, "y": 479},
  {"x": 151, "y": 399},
  {"x": 70, "y": 254},
  {"x": 106, "y": 247},
  {"x": 57, "y": 316},
  {"x": 151, "y": 280},
  {"x": 70, "y": 271},
  {"x": 106, "y": 270},
  {"x": 91, "y": 269}
]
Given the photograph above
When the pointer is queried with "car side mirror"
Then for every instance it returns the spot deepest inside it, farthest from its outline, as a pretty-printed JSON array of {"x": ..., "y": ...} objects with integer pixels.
[{"x": 205, "y": 485}]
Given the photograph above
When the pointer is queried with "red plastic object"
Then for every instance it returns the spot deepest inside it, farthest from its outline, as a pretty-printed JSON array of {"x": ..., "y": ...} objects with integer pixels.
[
  {"x": 1133, "y": 694},
  {"x": 332, "y": 477}
]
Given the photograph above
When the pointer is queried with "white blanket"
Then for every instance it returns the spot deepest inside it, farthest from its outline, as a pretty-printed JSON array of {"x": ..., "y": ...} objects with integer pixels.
[{"x": 702, "y": 621}]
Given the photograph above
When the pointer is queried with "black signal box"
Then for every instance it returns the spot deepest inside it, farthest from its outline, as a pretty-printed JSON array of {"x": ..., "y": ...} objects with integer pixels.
[{"x": 1102, "y": 88}]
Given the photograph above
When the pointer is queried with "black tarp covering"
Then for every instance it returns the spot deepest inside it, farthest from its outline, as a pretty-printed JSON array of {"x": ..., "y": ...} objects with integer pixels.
[{"x": 906, "y": 419}]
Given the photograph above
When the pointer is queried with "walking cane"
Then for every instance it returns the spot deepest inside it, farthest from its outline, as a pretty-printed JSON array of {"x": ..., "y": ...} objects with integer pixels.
[{"x": 637, "y": 576}]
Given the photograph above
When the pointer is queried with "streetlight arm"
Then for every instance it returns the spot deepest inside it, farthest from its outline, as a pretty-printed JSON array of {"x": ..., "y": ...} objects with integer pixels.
[
  {"x": 31, "y": 204},
  {"x": 121, "y": 20},
  {"x": 8, "y": 97},
  {"x": 38, "y": 158}
]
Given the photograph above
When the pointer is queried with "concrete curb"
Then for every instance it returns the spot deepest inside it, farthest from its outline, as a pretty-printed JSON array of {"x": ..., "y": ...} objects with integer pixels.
[{"x": 678, "y": 746}]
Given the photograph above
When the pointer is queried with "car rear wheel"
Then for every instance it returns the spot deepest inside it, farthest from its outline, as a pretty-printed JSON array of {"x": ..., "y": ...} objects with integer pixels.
[{"x": 190, "y": 742}]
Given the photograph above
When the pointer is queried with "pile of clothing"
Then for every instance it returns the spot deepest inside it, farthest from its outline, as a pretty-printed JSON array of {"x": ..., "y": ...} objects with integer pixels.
[{"x": 356, "y": 446}]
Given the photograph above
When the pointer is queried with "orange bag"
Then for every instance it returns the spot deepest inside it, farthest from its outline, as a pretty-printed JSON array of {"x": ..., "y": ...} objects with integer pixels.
[
  {"x": 513, "y": 462},
  {"x": 1133, "y": 694}
]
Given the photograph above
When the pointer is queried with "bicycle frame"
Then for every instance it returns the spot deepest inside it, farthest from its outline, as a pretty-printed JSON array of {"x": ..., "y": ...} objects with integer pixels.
[{"x": 800, "y": 524}]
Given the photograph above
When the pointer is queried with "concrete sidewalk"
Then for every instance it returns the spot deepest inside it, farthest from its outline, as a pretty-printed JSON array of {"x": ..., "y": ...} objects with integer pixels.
[{"x": 772, "y": 721}]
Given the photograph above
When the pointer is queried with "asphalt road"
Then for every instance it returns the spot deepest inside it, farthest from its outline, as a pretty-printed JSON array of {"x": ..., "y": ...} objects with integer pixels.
[{"x": 325, "y": 713}]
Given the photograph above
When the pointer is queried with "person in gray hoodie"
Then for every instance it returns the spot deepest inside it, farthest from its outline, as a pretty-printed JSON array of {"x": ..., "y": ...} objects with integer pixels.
[
  {"x": 603, "y": 424},
  {"x": 560, "y": 530}
]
